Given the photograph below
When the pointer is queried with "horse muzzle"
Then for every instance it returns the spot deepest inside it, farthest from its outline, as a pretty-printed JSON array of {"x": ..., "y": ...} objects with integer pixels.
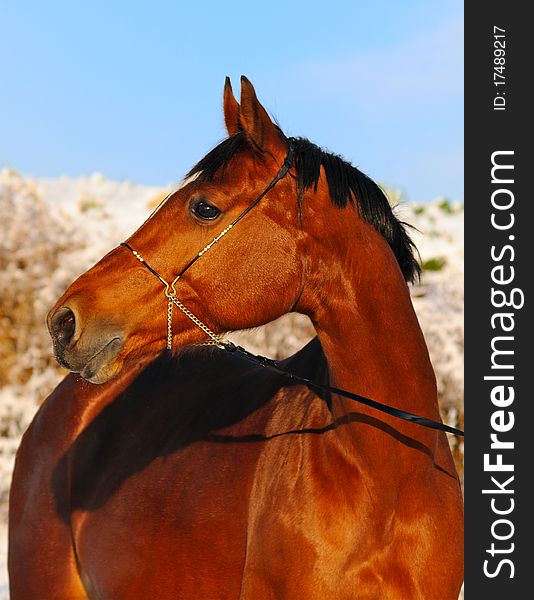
[{"x": 91, "y": 351}]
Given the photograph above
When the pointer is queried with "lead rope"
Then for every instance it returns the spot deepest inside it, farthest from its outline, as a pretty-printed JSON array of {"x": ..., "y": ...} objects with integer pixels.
[{"x": 272, "y": 365}]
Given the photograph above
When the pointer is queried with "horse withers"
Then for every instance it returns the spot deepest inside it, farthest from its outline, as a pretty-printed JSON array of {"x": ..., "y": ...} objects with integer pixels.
[{"x": 190, "y": 473}]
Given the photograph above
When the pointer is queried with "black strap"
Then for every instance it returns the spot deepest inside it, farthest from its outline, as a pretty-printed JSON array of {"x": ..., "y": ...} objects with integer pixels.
[
  {"x": 143, "y": 261},
  {"x": 272, "y": 364},
  {"x": 390, "y": 410},
  {"x": 287, "y": 164}
]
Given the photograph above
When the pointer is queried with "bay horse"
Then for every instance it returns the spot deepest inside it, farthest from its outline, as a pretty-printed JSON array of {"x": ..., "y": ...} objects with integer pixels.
[{"x": 190, "y": 473}]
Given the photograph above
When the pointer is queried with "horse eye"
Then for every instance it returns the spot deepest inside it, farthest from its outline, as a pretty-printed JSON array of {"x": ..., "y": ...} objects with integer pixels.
[{"x": 205, "y": 211}]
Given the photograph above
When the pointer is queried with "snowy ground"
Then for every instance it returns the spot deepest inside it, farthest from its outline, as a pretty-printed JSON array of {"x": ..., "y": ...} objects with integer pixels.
[{"x": 54, "y": 229}]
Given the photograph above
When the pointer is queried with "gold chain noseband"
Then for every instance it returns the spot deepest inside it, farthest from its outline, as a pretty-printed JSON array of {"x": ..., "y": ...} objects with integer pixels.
[{"x": 172, "y": 300}]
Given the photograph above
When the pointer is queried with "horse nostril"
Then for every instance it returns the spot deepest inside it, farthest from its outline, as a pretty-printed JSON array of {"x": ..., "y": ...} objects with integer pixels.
[{"x": 63, "y": 325}]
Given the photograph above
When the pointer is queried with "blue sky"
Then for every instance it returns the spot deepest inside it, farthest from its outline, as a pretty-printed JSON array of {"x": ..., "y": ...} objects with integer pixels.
[{"x": 134, "y": 89}]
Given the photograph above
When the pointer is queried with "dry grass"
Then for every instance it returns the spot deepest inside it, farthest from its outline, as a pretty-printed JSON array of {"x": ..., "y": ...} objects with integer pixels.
[{"x": 30, "y": 250}]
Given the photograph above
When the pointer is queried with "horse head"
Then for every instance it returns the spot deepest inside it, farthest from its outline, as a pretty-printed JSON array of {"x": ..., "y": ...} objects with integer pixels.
[{"x": 282, "y": 256}]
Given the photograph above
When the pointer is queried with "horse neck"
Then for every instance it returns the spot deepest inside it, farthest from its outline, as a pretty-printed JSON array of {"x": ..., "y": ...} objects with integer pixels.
[{"x": 362, "y": 312}]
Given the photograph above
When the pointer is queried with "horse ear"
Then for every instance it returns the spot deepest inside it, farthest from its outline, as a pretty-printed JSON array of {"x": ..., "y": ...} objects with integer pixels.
[
  {"x": 255, "y": 121},
  {"x": 231, "y": 109}
]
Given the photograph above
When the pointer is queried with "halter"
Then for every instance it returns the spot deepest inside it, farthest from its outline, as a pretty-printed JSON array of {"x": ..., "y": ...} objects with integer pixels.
[
  {"x": 170, "y": 290},
  {"x": 225, "y": 344}
]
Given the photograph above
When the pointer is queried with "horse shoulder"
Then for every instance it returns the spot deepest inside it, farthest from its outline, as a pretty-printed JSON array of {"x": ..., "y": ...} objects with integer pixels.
[{"x": 42, "y": 563}]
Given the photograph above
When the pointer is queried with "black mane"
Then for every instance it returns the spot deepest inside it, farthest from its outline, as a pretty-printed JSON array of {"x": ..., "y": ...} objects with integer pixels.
[{"x": 346, "y": 184}]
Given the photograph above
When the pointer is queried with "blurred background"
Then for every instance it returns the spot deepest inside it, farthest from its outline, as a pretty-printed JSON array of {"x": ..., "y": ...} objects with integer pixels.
[{"x": 105, "y": 106}]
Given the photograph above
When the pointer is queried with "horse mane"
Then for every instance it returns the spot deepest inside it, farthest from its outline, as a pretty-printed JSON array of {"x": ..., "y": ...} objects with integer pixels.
[{"x": 346, "y": 184}]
